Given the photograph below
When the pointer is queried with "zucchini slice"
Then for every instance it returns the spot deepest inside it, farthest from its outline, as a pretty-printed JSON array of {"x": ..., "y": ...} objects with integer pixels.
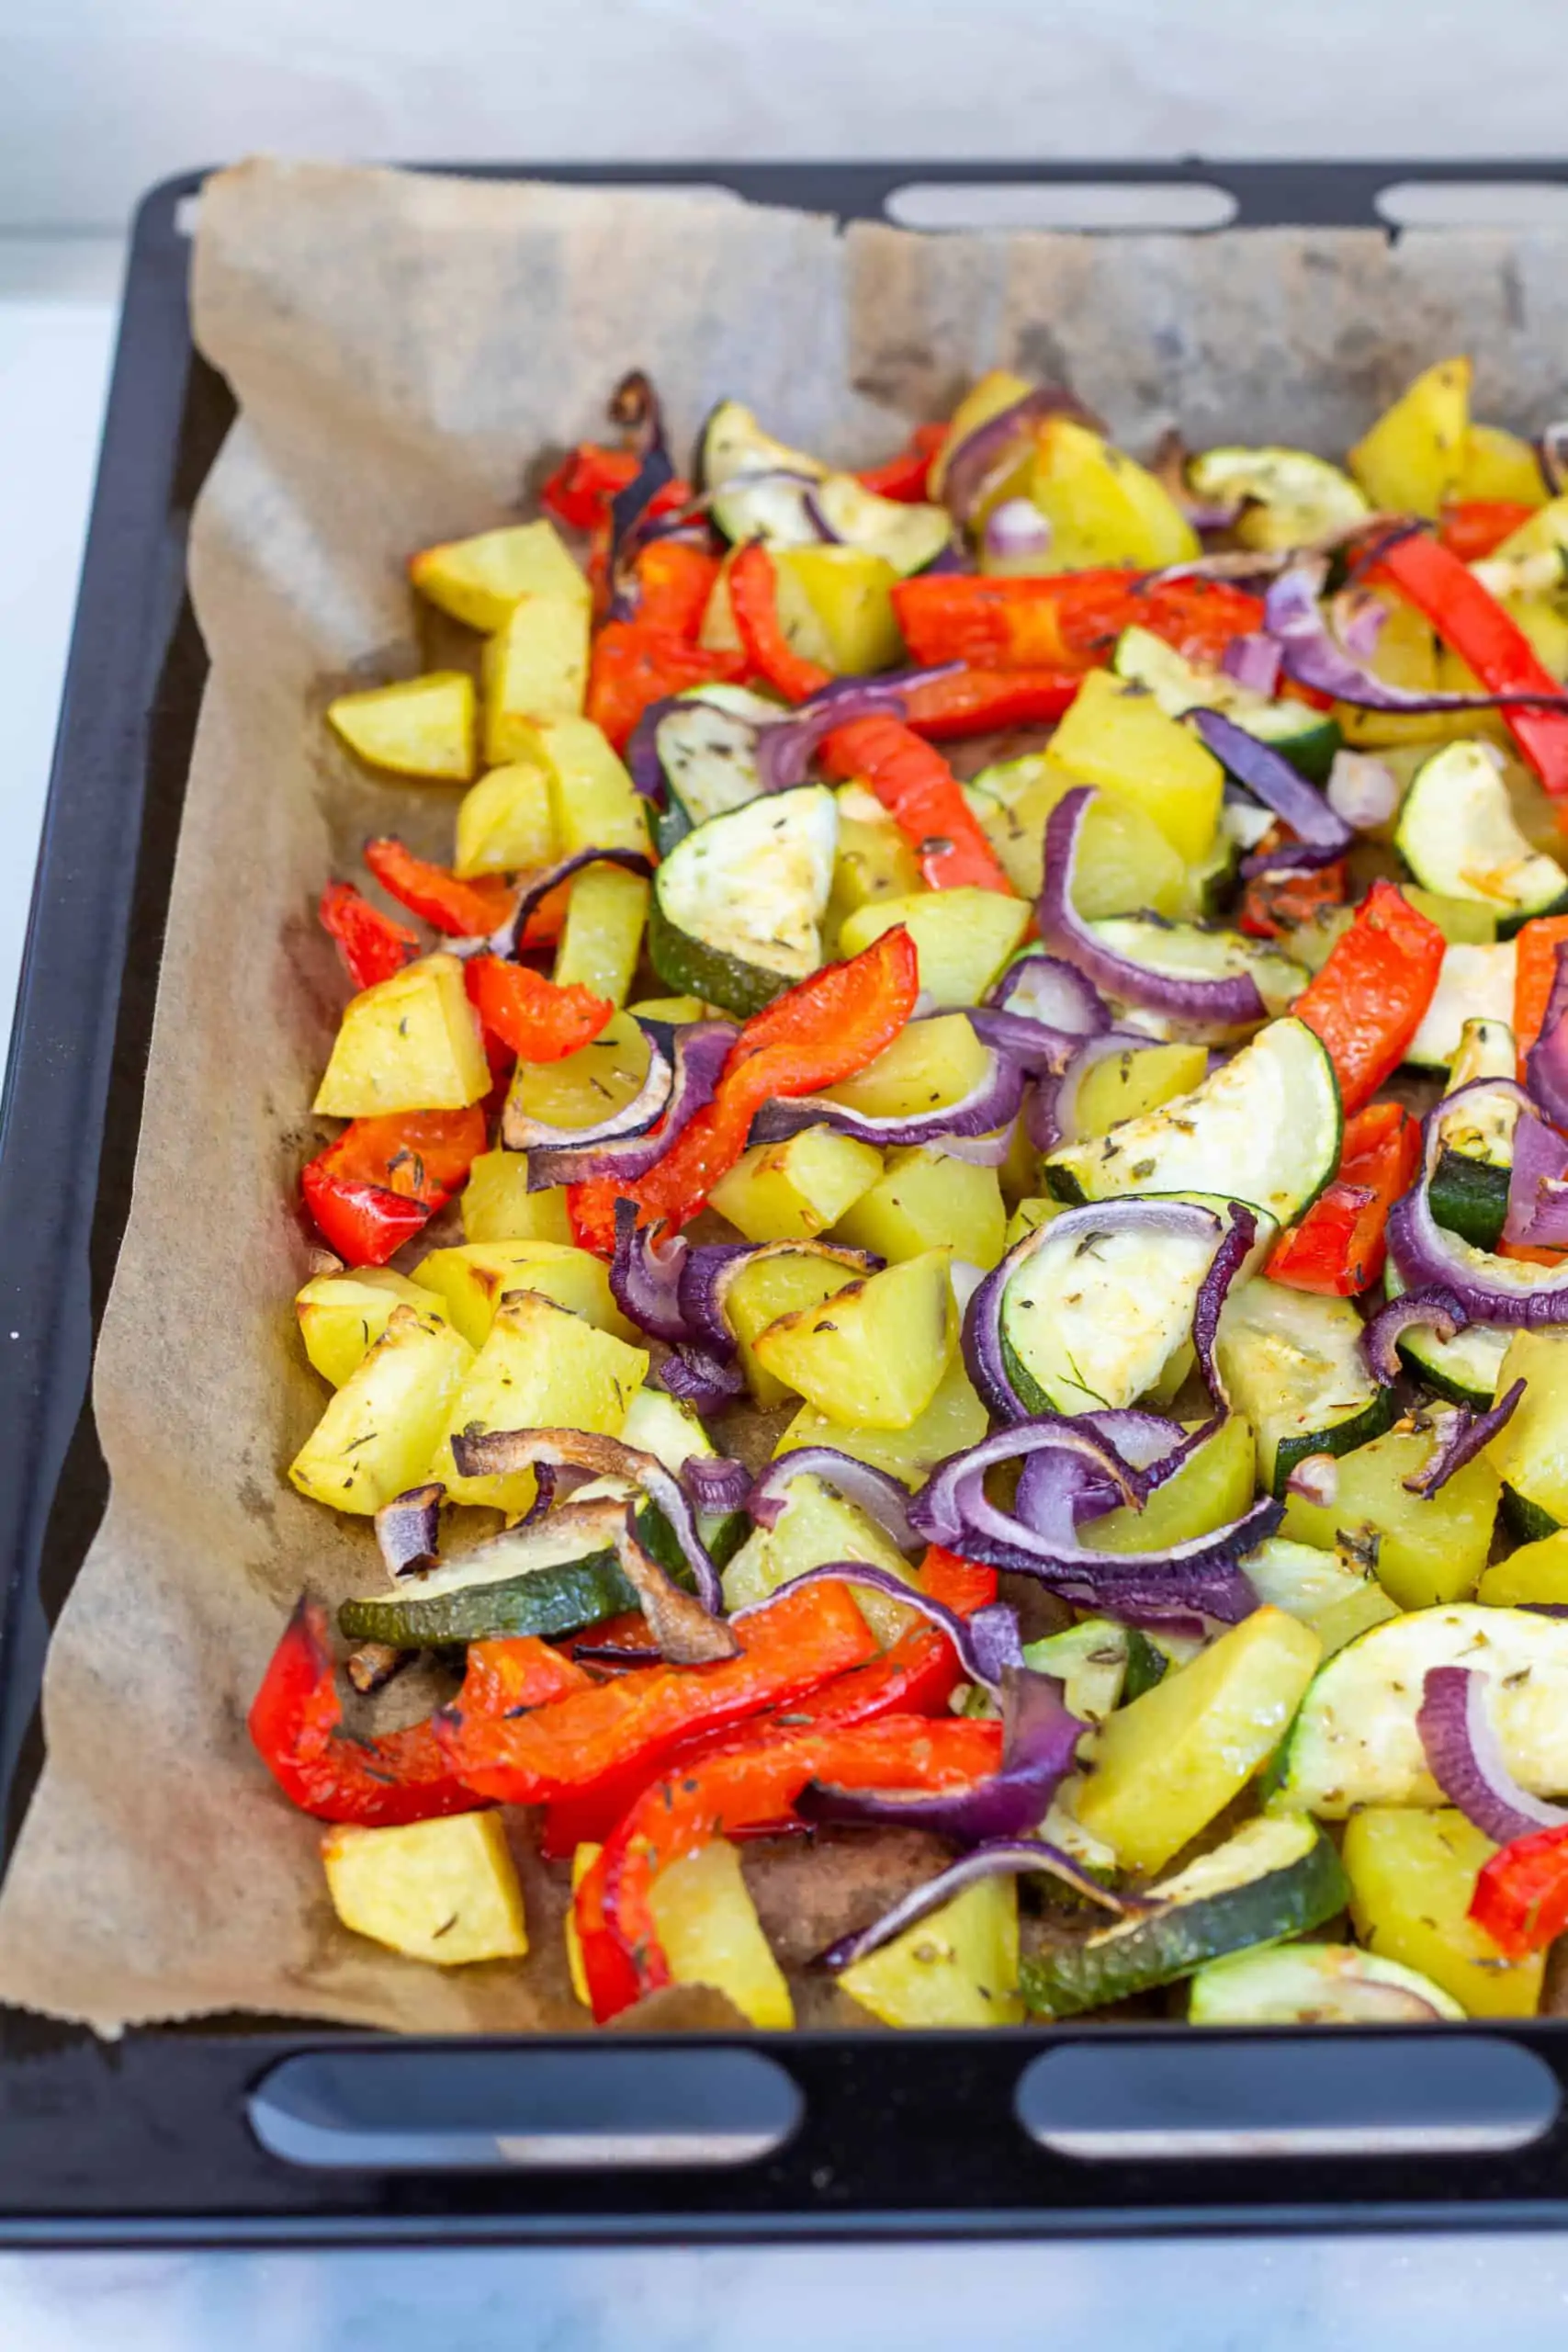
[
  {"x": 541, "y": 1580},
  {"x": 1307, "y": 738},
  {"x": 1475, "y": 984},
  {"x": 1315, "y": 1984},
  {"x": 1465, "y": 1369},
  {"x": 1354, "y": 1741},
  {"x": 1457, "y": 834},
  {"x": 1257, "y": 1888},
  {"x": 707, "y": 749},
  {"x": 1090, "y": 1317},
  {"x": 1091, "y": 1660},
  {"x": 1469, "y": 1186},
  {"x": 1265, "y": 1129},
  {"x": 1290, "y": 495},
  {"x": 908, "y": 536},
  {"x": 737, "y": 904},
  {"x": 1292, "y": 1362},
  {"x": 1334, "y": 1595},
  {"x": 761, "y": 484}
]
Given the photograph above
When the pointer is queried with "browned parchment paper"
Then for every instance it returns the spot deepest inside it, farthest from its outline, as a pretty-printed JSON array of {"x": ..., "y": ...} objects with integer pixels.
[{"x": 403, "y": 349}]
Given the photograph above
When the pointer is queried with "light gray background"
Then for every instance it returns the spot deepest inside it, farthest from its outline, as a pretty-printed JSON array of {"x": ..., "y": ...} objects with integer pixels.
[{"x": 98, "y": 98}]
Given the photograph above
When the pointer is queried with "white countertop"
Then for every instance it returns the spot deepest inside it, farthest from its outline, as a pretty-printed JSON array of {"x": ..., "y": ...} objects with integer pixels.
[{"x": 1368, "y": 2294}]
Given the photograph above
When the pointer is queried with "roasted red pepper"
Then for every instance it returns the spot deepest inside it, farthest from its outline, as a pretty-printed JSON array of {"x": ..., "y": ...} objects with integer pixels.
[
  {"x": 1521, "y": 1894},
  {"x": 632, "y": 666},
  {"x": 1066, "y": 620},
  {"x": 1472, "y": 527},
  {"x": 462, "y": 910},
  {"x": 538, "y": 1021},
  {"x": 907, "y": 477},
  {"x": 1272, "y": 905},
  {"x": 1338, "y": 1246},
  {"x": 754, "y": 601},
  {"x": 506, "y": 1677},
  {"x": 981, "y": 702},
  {"x": 744, "y": 1786},
  {"x": 296, "y": 1723},
  {"x": 373, "y": 945},
  {"x": 582, "y": 486},
  {"x": 798, "y": 1642},
  {"x": 376, "y": 1185},
  {"x": 814, "y": 1036},
  {"x": 674, "y": 582},
  {"x": 1535, "y": 968},
  {"x": 1469, "y": 618},
  {"x": 1368, "y": 1001},
  {"x": 920, "y": 791}
]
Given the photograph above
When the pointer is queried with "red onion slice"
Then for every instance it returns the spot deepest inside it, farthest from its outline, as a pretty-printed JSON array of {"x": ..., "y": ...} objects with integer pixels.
[
  {"x": 500, "y": 1453},
  {"x": 992, "y": 1102},
  {"x": 1057, "y": 1492},
  {"x": 1016, "y": 530},
  {"x": 970, "y": 465},
  {"x": 1269, "y": 776},
  {"x": 1040, "y": 1742},
  {"x": 1465, "y": 1757},
  {"x": 1552, "y": 452},
  {"x": 716, "y": 1483},
  {"x": 507, "y": 939},
  {"x": 1464, "y": 1434},
  {"x": 784, "y": 750},
  {"x": 1313, "y": 657},
  {"x": 882, "y": 1497},
  {"x": 1427, "y": 1256},
  {"x": 1316, "y": 1478},
  {"x": 632, "y": 1120},
  {"x": 644, "y": 1274},
  {"x": 1546, "y": 1064},
  {"x": 408, "y": 1530},
  {"x": 687, "y": 1633},
  {"x": 1227, "y": 1005},
  {"x": 700, "y": 1049},
  {"x": 1538, "y": 1197},
  {"x": 1253, "y": 661},
  {"x": 1055, "y": 994},
  {"x": 1435, "y": 1310},
  {"x": 1005, "y": 1858},
  {"x": 1236, "y": 1246},
  {"x": 1110, "y": 1045},
  {"x": 696, "y": 1378},
  {"x": 987, "y": 1644}
]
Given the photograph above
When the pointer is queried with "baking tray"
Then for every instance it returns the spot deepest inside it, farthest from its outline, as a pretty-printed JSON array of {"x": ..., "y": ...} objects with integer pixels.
[{"x": 239, "y": 2131}]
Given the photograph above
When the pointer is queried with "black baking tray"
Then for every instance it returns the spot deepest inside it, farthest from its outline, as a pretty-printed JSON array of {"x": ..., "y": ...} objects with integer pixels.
[{"x": 239, "y": 2131}]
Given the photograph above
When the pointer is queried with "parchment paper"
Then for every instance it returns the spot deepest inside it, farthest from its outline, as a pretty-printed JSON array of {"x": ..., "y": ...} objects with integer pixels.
[{"x": 404, "y": 351}]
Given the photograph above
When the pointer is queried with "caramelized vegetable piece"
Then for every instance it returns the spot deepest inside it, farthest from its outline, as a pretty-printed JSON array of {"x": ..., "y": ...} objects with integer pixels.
[
  {"x": 412, "y": 1043},
  {"x": 422, "y": 727},
  {"x": 873, "y": 1354},
  {"x": 482, "y": 579},
  {"x": 376, "y": 1437},
  {"x": 444, "y": 1891},
  {"x": 709, "y": 1925},
  {"x": 540, "y": 1367}
]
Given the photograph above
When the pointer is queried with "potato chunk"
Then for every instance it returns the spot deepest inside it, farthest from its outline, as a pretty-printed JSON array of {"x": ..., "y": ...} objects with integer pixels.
[
  {"x": 343, "y": 1316},
  {"x": 442, "y": 1891},
  {"x": 472, "y": 1279},
  {"x": 536, "y": 666},
  {"x": 376, "y": 1437},
  {"x": 482, "y": 580},
  {"x": 541, "y": 1367},
  {"x": 413, "y": 1043},
  {"x": 504, "y": 824},
  {"x": 419, "y": 727},
  {"x": 709, "y": 1925},
  {"x": 873, "y": 1354}
]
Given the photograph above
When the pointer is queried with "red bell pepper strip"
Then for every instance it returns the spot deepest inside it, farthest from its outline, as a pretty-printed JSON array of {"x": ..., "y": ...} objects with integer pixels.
[
  {"x": 754, "y": 601},
  {"x": 506, "y": 1677},
  {"x": 462, "y": 910},
  {"x": 748, "y": 1783},
  {"x": 1338, "y": 1246},
  {"x": 1472, "y": 527},
  {"x": 296, "y": 1724},
  {"x": 907, "y": 477},
  {"x": 816, "y": 1034},
  {"x": 1066, "y": 620},
  {"x": 916, "y": 1677},
  {"x": 373, "y": 945},
  {"x": 1275, "y": 904},
  {"x": 631, "y": 666},
  {"x": 580, "y": 492},
  {"x": 920, "y": 791},
  {"x": 981, "y": 702},
  {"x": 1535, "y": 968},
  {"x": 378, "y": 1182},
  {"x": 538, "y": 1021},
  {"x": 1468, "y": 616},
  {"x": 798, "y": 1641},
  {"x": 674, "y": 582},
  {"x": 1521, "y": 1893},
  {"x": 1368, "y": 1001}
]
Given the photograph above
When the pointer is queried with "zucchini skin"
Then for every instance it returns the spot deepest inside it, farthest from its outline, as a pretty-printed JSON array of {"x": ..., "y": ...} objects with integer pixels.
[
  {"x": 1173, "y": 1943},
  {"x": 1470, "y": 1197},
  {"x": 1526, "y": 1521},
  {"x": 689, "y": 968},
  {"x": 1342, "y": 1437}
]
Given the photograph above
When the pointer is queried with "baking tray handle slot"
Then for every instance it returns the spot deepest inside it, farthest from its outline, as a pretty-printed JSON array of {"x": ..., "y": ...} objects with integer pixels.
[
  {"x": 1294, "y": 2096},
  {"x": 486, "y": 2109}
]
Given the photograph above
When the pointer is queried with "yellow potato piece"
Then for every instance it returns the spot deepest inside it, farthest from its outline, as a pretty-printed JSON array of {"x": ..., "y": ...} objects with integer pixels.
[
  {"x": 1426, "y": 1550},
  {"x": 594, "y": 801},
  {"x": 1500, "y": 465},
  {"x": 375, "y": 1439},
  {"x": 954, "y": 1419},
  {"x": 795, "y": 1190},
  {"x": 1530, "y": 1452},
  {"x": 873, "y": 1355},
  {"x": 480, "y": 579},
  {"x": 1536, "y": 1572},
  {"x": 601, "y": 941},
  {"x": 583, "y": 1858},
  {"x": 583, "y": 1088},
  {"x": 439, "y": 1891},
  {"x": 707, "y": 1923},
  {"x": 1412, "y": 1876},
  {"x": 815, "y": 1526},
  {"x": 958, "y": 1967},
  {"x": 1126, "y": 1085},
  {"x": 841, "y": 603},
  {"x": 997, "y": 390},
  {"x": 1116, "y": 735},
  {"x": 1169, "y": 1762},
  {"x": 343, "y": 1316},
  {"x": 541, "y": 1367},
  {"x": 534, "y": 667},
  {"x": 1124, "y": 864},
  {"x": 1102, "y": 505},
  {"x": 769, "y": 1287},
  {"x": 928, "y": 1200},
  {"x": 504, "y": 824},
  {"x": 929, "y": 1065},
  {"x": 472, "y": 1279},
  {"x": 1415, "y": 455},
  {"x": 962, "y": 937},
  {"x": 413, "y": 1043},
  {"x": 419, "y": 727},
  {"x": 498, "y": 1206}
]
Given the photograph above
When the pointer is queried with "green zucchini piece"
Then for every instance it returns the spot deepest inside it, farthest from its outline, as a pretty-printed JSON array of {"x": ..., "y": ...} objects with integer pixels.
[
  {"x": 1290, "y": 496},
  {"x": 737, "y": 904},
  {"x": 1526, "y": 1521},
  {"x": 1292, "y": 1362},
  {"x": 1354, "y": 1741},
  {"x": 1265, "y": 1129},
  {"x": 1257, "y": 1888},
  {"x": 1469, "y": 1186},
  {"x": 1457, "y": 835},
  {"x": 1475, "y": 984},
  {"x": 1147, "y": 1665},
  {"x": 1307, "y": 738},
  {"x": 1090, "y": 1660},
  {"x": 707, "y": 749},
  {"x": 1336, "y": 1596},
  {"x": 1315, "y": 1984},
  {"x": 763, "y": 483},
  {"x": 908, "y": 533},
  {"x": 1463, "y": 1369}
]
